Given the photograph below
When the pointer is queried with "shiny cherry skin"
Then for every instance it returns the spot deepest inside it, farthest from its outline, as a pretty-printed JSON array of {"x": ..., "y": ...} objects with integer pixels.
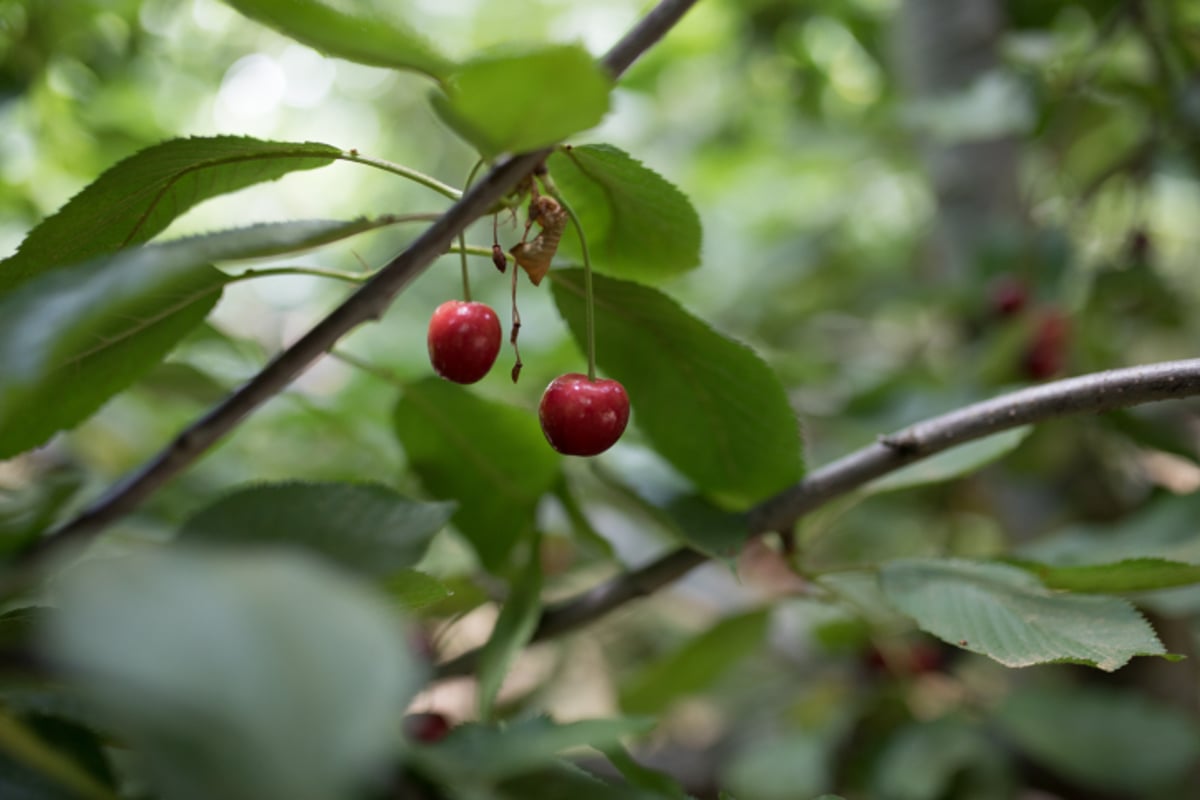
[
  {"x": 582, "y": 417},
  {"x": 464, "y": 340}
]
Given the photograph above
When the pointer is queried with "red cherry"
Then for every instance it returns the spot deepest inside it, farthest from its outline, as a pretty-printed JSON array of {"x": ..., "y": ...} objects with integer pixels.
[
  {"x": 464, "y": 339},
  {"x": 582, "y": 417},
  {"x": 1008, "y": 296},
  {"x": 1140, "y": 247},
  {"x": 925, "y": 657},
  {"x": 916, "y": 658},
  {"x": 428, "y": 728},
  {"x": 1046, "y": 353}
]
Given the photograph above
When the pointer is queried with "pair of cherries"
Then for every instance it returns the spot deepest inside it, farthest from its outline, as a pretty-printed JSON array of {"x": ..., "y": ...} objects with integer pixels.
[{"x": 579, "y": 416}]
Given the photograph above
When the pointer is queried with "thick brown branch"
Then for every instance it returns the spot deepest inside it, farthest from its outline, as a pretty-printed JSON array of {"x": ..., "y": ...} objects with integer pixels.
[
  {"x": 367, "y": 303},
  {"x": 1095, "y": 393}
]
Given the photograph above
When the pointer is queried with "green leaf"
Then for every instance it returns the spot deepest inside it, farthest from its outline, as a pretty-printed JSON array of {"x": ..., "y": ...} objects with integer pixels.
[
  {"x": 565, "y": 779},
  {"x": 1165, "y": 529},
  {"x": 46, "y": 758},
  {"x": 28, "y": 511},
  {"x": 784, "y": 767},
  {"x": 463, "y": 594},
  {"x": 642, "y": 777},
  {"x": 718, "y": 533},
  {"x": 482, "y": 754},
  {"x": 47, "y": 700},
  {"x": 34, "y": 766},
  {"x": 1109, "y": 740},
  {"x": 179, "y": 381},
  {"x": 491, "y": 458},
  {"x": 414, "y": 590},
  {"x": 638, "y": 224},
  {"x": 366, "y": 527},
  {"x": 240, "y": 675},
  {"x": 708, "y": 404},
  {"x": 366, "y": 33},
  {"x": 695, "y": 666},
  {"x": 19, "y": 782},
  {"x": 137, "y": 198},
  {"x": 74, "y": 337},
  {"x": 1146, "y": 430},
  {"x": 581, "y": 526},
  {"x": 660, "y": 492},
  {"x": 943, "y": 757},
  {"x": 517, "y": 621},
  {"x": 1004, "y": 613},
  {"x": 1129, "y": 575},
  {"x": 957, "y": 461},
  {"x": 17, "y": 627},
  {"x": 512, "y": 101}
]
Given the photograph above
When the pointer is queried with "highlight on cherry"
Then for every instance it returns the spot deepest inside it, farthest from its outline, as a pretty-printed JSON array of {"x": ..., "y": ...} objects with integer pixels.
[
  {"x": 464, "y": 340},
  {"x": 581, "y": 416}
]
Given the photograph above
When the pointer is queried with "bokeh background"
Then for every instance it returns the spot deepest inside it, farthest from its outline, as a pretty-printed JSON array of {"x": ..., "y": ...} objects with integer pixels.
[{"x": 907, "y": 205}]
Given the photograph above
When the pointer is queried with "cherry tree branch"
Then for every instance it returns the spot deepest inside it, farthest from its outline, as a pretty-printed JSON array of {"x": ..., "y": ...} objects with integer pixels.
[
  {"x": 367, "y": 303},
  {"x": 1095, "y": 393}
]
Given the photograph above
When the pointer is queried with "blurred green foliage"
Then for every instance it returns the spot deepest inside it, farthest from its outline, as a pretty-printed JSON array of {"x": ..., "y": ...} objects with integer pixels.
[{"x": 906, "y": 205}]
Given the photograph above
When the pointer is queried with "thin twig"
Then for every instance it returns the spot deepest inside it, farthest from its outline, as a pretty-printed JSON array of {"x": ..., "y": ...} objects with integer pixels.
[
  {"x": 1095, "y": 393},
  {"x": 367, "y": 303}
]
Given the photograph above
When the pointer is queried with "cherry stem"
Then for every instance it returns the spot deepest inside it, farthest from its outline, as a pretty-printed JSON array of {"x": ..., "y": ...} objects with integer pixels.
[
  {"x": 588, "y": 303},
  {"x": 462, "y": 239}
]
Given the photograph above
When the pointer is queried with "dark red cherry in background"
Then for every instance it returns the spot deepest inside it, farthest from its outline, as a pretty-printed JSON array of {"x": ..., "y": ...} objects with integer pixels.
[
  {"x": 429, "y": 727},
  {"x": 1046, "y": 352},
  {"x": 1008, "y": 296},
  {"x": 582, "y": 417},
  {"x": 464, "y": 339}
]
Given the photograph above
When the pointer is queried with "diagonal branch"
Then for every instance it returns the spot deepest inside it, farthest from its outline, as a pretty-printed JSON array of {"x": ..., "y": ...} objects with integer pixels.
[
  {"x": 1094, "y": 393},
  {"x": 367, "y": 303}
]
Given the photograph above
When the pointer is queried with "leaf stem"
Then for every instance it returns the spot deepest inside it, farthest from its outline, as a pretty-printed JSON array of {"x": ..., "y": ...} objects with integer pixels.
[
  {"x": 21, "y": 743},
  {"x": 404, "y": 172},
  {"x": 462, "y": 239},
  {"x": 316, "y": 272},
  {"x": 356, "y": 278}
]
